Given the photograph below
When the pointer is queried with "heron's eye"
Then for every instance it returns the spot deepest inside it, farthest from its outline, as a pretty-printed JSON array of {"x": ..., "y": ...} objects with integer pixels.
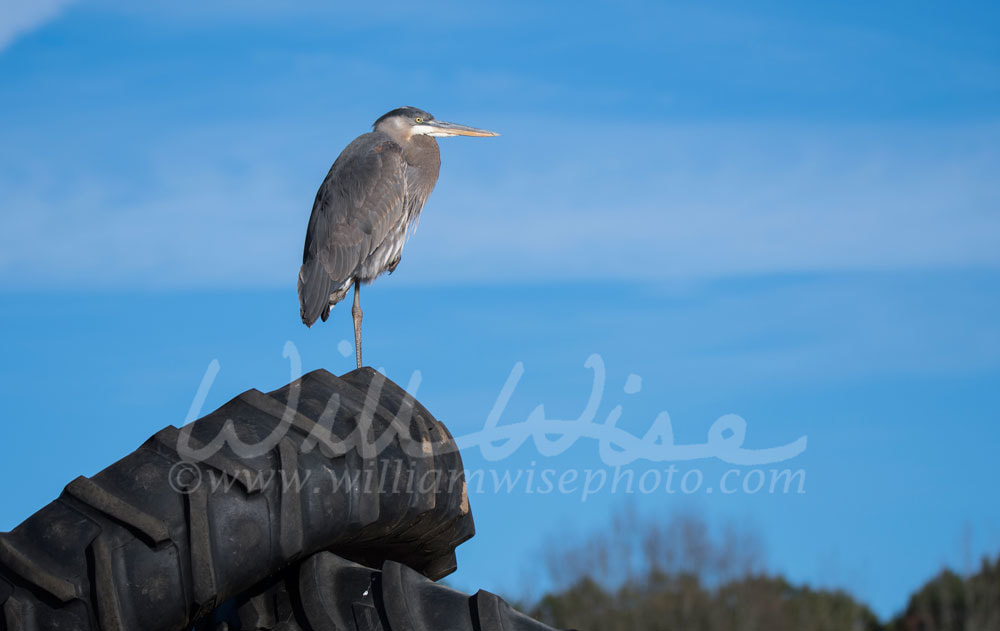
[{"x": 419, "y": 120}]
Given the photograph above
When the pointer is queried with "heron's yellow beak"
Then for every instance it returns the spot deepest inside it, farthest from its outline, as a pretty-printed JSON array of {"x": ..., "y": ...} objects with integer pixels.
[{"x": 442, "y": 129}]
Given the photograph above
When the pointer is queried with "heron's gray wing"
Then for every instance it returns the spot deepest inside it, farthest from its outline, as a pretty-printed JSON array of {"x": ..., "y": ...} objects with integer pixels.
[{"x": 361, "y": 198}]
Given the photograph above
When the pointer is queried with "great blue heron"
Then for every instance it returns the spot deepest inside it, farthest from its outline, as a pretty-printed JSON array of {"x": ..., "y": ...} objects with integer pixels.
[{"x": 368, "y": 202}]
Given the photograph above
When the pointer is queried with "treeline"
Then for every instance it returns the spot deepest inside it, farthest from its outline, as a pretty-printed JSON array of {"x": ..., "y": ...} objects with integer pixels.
[
  {"x": 681, "y": 576},
  {"x": 954, "y": 603}
]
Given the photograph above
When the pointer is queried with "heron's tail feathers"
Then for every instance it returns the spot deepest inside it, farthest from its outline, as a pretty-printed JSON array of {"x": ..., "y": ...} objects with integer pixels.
[{"x": 315, "y": 286}]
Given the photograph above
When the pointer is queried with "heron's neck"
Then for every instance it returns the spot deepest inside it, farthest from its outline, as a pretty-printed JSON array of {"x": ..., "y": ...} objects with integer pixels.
[{"x": 423, "y": 151}]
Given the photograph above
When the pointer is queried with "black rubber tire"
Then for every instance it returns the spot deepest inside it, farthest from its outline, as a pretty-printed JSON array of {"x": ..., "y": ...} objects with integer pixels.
[
  {"x": 329, "y": 593},
  {"x": 154, "y": 542}
]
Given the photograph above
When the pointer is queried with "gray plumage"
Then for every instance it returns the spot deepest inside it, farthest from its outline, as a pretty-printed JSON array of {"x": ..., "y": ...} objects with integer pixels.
[
  {"x": 366, "y": 206},
  {"x": 372, "y": 195}
]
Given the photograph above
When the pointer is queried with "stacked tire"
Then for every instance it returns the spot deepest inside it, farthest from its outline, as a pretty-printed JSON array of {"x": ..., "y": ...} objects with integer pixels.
[{"x": 159, "y": 540}]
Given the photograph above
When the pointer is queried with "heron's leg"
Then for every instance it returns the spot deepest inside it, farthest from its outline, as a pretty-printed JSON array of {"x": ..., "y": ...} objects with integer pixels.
[{"x": 356, "y": 312}]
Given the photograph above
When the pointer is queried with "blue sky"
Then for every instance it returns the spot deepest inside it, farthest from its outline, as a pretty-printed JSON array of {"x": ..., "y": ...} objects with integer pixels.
[{"x": 788, "y": 212}]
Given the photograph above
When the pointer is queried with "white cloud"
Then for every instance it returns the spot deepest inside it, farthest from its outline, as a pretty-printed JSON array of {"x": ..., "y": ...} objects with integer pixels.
[
  {"x": 717, "y": 200},
  {"x": 23, "y": 16}
]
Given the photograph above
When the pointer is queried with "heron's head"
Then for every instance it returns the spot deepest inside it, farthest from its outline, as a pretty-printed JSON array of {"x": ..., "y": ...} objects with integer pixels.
[{"x": 405, "y": 122}]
